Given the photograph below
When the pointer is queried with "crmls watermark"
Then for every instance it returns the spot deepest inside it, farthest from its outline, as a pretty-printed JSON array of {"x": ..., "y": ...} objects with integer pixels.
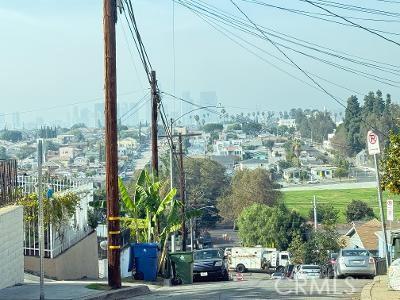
[{"x": 286, "y": 287}]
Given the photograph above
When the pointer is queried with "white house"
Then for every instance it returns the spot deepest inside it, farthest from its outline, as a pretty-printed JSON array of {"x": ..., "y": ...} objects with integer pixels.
[
  {"x": 253, "y": 164},
  {"x": 287, "y": 122},
  {"x": 322, "y": 172},
  {"x": 66, "y": 153}
]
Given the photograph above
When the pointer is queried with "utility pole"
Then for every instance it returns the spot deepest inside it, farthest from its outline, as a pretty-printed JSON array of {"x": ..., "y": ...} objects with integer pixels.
[
  {"x": 382, "y": 213},
  {"x": 171, "y": 178},
  {"x": 41, "y": 216},
  {"x": 182, "y": 193},
  {"x": 374, "y": 149},
  {"x": 111, "y": 131},
  {"x": 315, "y": 214},
  {"x": 154, "y": 137}
]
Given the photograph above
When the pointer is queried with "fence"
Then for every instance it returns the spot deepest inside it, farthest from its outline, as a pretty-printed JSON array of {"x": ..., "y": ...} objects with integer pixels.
[
  {"x": 57, "y": 240},
  {"x": 8, "y": 181}
]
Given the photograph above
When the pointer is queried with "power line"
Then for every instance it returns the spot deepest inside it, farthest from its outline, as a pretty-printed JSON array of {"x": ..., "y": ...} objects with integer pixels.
[
  {"x": 305, "y": 73},
  {"x": 353, "y": 23},
  {"x": 241, "y": 25}
]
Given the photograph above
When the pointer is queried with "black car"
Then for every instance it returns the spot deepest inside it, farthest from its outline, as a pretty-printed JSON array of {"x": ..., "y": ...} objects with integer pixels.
[{"x": 210, "y": 264}]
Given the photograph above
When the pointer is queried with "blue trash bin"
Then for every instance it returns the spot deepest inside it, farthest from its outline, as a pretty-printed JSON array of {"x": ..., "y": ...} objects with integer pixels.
[{"x": 144, "y": 256}]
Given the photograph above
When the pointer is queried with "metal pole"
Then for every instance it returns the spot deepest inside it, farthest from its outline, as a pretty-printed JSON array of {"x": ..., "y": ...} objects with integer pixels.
[
  {"x": 191, "y": 234},
  {"x": 182, "y": 193},
  {"x": 315, "y": 214},
  {"x": 171, "y": 176},
  {"x": 41, "y": 217},
  {"x": 110, "y": 90},
  {"x": 383, "y": 223},
  {"x": 154, "y": 129}
]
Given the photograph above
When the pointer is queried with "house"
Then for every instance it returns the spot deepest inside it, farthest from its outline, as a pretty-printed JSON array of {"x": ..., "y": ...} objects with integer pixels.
[
  {"x": 228, "y": 162},
  {"x": 362, "y": 235},
  {"x": 322, "y": 172},
  {"x": 66, "y": 153},
  {"x": 327, "y": 144},
  {"x": 291, "y": 173},
  {"x": 253, "y": 163},
  {"x": 225, "y": 148}
]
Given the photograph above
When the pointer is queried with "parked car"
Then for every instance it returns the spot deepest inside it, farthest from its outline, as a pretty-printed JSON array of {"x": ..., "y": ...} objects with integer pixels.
[
  {"x": 305, "y": 272},
  {"x": 210, "y": 264},
  {"x": 355, "y": 262},
  {"x": 327, "y": 270},
  {"x": 278, "y": 275}
]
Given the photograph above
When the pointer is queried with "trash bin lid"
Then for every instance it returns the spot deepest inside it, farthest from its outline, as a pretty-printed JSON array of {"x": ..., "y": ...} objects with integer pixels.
[
  {"x": 182, "y": 256},
  {"x": 144, "y": 249}
]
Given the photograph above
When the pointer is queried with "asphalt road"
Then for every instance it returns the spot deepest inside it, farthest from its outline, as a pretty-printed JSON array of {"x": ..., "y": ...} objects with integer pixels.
[{"x": 259, "y": 286}]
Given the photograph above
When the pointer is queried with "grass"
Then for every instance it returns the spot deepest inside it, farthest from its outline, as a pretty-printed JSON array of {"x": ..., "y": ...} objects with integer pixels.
[
  {"x": 302, "y": 200},
  {"x": 98, "y": 287}
]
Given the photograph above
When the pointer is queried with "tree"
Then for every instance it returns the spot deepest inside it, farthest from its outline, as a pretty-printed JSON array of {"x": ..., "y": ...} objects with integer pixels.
[
  {"x": 269, "y": 144},
  {"x": 341, "y": 172},
  {"x": 78, "y": 125},
  {"x": 326, "y": 214},
  {"x": 11, "y": 135},
  {"x": 352, "y": 125},
  {"x": 390, "y": 165},
  {"x": 248, "y": 187},
  {"x": 25, "y": 151},
  {"x": 268, "y": 226},
  {"x": 251, "y": 128},
  {"x": 212, "y": 127},
  {"x": 256, "y": 226},
  {"x": 320, "y": 243},
  {"x": 359, "y": 210},
  {"x": 297, "y": 250},
  {"x": 3, "y": 153},
  {"x": 206, "y": 181}
]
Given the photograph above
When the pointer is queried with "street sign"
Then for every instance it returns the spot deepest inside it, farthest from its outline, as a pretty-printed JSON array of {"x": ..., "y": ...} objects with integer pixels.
[
  {"x": 389, "y": 210},
  {"x": 373, "y": 143}
]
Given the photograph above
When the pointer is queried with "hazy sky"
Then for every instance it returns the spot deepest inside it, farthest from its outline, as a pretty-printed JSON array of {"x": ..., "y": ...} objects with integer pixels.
[{"x": 52, "y": 55}]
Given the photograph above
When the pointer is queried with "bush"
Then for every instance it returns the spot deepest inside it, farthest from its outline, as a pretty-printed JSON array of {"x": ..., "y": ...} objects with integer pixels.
[{"x": 359, "y": 210}]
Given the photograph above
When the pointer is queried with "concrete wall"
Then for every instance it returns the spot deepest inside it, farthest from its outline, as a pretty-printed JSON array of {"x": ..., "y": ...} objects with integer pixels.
[
  {"x": 11, "y": 246},
  {"x": 77, "y": 262}
]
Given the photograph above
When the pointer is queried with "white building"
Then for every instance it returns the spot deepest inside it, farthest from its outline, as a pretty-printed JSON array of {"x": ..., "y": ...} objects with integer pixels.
[
  {"x": 287, "y": 122},
  {"x": 253, "y": 164}
]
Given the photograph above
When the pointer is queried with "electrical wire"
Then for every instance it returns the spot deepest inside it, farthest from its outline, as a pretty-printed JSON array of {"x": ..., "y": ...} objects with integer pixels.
[
  {"x": 353, "y": 23},
  {"x": 304, "y": 72}
]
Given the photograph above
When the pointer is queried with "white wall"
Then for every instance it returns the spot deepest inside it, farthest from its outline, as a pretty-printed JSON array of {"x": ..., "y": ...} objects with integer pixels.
[{"x": 11, "y": 246}]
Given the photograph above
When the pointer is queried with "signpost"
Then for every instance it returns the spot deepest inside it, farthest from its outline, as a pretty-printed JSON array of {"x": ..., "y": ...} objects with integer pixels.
[{"x": 374, "y": 149}]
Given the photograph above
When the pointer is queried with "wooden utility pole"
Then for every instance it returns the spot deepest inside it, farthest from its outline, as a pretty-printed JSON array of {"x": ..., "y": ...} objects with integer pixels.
[
  {"x": 154, "y": 129},
  {"x": 111, "y": 131},
  {"x": 182, "y": 192}
]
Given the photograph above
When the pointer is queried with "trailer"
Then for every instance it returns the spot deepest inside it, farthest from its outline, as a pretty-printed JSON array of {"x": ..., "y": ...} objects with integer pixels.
[{"x": 244, "y": 259}]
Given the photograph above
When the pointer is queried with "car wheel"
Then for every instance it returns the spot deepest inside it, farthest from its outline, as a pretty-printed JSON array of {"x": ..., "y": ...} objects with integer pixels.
[
  {"x": 226, "y": 276},
  {"x": 240, "y": 268}
]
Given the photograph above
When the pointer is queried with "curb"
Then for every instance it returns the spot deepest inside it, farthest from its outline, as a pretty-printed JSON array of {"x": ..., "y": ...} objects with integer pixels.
[
  {"x": 366, "y": 291},
  {"x": 124, "y": 293}
]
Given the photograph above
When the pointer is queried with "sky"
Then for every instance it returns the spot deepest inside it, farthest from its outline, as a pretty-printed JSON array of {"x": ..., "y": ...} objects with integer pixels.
[{"x": 52, "y": 57}]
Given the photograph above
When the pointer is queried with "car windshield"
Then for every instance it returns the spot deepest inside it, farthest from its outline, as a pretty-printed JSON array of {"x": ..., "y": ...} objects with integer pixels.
[
  {"x": 355, "y": 252},
  {"x": 207, "y": 254}
]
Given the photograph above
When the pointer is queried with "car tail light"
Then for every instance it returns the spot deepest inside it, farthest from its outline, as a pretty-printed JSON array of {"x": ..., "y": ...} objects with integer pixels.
[{"x": 371, "y": 260}]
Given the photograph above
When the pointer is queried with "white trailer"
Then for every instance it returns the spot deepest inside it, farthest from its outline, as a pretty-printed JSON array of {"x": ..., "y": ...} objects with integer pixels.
[{"x": 242, "y": 259}]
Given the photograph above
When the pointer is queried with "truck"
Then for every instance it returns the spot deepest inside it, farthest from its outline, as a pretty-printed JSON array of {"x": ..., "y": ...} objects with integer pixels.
[{"x": 243, "y": 259}]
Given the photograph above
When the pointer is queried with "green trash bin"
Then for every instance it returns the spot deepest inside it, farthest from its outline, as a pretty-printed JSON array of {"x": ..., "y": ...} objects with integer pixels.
[{"x": 182, "y": 262}]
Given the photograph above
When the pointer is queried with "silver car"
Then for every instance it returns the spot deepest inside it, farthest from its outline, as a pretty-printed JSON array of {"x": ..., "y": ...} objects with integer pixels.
[{"x": 354, "y": 262}]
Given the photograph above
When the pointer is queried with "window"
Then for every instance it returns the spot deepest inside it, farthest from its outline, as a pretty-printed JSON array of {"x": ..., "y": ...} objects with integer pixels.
[{"x": 355, "y": 252}]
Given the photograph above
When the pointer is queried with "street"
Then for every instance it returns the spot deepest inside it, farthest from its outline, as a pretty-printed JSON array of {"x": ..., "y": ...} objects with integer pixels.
[{"x": 258, "y": 286}]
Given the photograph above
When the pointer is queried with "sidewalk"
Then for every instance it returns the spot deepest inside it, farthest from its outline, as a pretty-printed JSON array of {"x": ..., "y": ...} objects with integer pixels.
[
  {"x": 66, "y": 290},
  {"x": 379, "y": 290}
]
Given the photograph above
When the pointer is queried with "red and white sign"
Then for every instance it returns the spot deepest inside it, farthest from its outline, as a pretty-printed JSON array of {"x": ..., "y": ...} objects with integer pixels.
[
  {"x": 390, "y": 210},
  {"x": 373, "y": 143}
]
